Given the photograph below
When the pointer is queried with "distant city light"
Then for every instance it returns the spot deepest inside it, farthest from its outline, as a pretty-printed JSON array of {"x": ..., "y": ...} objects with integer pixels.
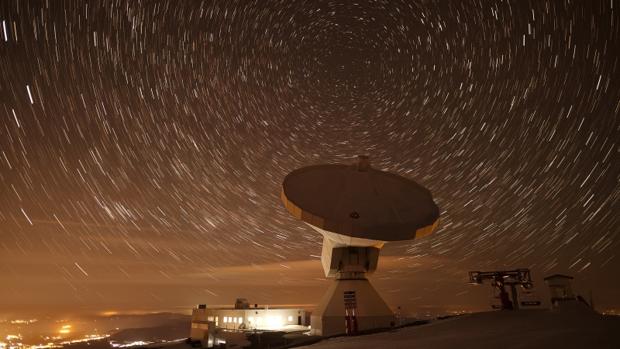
[
  {"x": 131, "y": 344},
  {"x": 65, "y": 329},
  {"x": 23, "y": 322}
]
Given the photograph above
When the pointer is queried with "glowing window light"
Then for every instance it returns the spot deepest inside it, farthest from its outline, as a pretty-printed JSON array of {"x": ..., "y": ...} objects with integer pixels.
[
  {"x": 225, "y": 319},
  {"x": 290, "y": 318},
  {"x": 250, "y": 318},
  {"x": 274, "y": 322},
  {"x": 240, "y": 320}
]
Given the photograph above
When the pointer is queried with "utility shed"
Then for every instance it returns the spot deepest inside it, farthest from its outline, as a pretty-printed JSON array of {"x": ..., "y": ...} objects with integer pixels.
[{"x": 560, "y": 287}]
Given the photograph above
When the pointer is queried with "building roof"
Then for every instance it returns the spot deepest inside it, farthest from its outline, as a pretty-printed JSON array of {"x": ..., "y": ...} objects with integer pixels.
[
  {"x": 558, "y": 276},
  {"x": 359, "y": 201}
]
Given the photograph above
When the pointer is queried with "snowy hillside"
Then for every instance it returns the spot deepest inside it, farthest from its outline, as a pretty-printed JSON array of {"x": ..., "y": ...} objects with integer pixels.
[{"x": 505, "y": 330}]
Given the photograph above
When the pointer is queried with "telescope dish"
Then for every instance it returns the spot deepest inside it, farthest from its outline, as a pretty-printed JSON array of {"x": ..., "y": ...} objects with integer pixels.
[
  {"x": 357, "y": 209},
  {"x": 360, "y": 202}
]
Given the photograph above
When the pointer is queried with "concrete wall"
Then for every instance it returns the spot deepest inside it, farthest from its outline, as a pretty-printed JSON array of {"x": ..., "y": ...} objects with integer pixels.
[
  {"x": 371, "y": 311},
  {"x": 334, "y": 325}
]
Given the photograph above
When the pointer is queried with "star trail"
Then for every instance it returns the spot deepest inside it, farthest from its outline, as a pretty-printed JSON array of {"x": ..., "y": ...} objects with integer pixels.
[{"x": 143, "y": 144}]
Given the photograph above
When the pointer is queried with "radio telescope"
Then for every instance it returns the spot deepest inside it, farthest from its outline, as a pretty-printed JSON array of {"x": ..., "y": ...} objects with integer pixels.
[{"x": 357, "y": 209}]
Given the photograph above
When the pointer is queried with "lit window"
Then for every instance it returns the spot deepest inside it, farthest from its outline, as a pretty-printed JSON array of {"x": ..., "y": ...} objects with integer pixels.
[
  {"x": 274, "y": 322},
  {"x": 290, "y": 318},
  {"x": 240, "y": 320},
  {"x": 225, "y": 319},
  {"x": 250, "y": 318}
]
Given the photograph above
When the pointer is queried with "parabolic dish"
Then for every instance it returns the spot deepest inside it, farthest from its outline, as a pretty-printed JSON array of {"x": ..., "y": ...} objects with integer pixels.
[{"x": 359, "y": 201}]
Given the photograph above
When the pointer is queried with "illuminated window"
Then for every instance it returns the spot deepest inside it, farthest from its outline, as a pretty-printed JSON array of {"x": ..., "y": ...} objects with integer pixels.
[
  {"x": 290, "y": 318},
  {"x": 225, "y": 319},
  {"x": 274, "y": 322},
  {"x": 250, "y": 318},
  {"x": 240, "y": 320}
]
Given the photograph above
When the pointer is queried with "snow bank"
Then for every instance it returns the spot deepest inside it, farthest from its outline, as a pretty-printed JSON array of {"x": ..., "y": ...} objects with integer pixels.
[{"x": 501, "y": 329}]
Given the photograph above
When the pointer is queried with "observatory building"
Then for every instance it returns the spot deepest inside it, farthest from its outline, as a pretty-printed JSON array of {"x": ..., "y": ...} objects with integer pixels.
[
  {"x": 357, "y": 209},
  {"x": 206, "y": 322}
]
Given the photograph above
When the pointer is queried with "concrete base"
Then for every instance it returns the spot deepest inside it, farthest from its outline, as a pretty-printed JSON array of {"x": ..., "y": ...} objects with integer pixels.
[{"x": 365, "y": 307}]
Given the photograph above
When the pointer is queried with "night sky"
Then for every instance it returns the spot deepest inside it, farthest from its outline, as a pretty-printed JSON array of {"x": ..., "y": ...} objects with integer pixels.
[{"x": 143, "y": 145}]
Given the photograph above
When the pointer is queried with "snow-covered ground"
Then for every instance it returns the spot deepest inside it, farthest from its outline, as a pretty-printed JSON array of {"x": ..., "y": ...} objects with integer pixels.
[{"x": 499, "y": 329}]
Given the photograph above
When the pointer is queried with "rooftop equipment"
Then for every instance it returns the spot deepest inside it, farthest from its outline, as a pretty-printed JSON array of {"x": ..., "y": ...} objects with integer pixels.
[{"x": 502, "y": 278}]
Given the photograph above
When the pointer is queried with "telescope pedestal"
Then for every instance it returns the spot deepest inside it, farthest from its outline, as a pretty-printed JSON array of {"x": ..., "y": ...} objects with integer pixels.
[{"x": 350, "y": 306}]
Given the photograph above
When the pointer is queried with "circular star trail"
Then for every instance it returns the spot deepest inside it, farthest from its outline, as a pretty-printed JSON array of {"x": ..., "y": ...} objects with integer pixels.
[{"x": 143, "y": 144}]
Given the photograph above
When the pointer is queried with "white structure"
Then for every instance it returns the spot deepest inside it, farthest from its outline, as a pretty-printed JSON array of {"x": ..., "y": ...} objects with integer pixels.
[
  {"x": 356, "y": 209},
  {"x": 562, "y": 297},
  {"x": 206, "y": 321},
  {"x": 560, "y": 288}
]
